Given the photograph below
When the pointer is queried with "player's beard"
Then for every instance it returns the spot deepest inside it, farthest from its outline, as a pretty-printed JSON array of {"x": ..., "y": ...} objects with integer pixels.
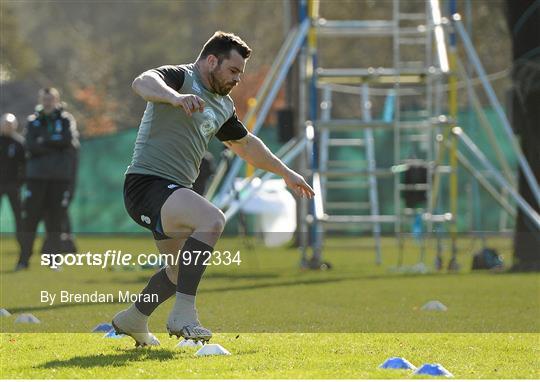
[{"x": 220, "y": 87}]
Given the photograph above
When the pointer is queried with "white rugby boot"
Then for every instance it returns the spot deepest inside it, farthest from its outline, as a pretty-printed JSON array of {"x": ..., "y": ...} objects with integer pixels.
[
  {"x": 184, "y": 322},
  {"x": 133, "y": 323}
]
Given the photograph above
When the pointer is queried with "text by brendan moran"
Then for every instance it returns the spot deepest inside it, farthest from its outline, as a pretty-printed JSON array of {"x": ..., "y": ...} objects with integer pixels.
[{"x": 67, "y": 297}]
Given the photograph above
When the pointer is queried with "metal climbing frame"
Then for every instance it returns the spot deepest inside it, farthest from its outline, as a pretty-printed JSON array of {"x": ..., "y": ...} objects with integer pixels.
[
  {"x": 421, "y": 78},
  {"x": 429, "y": 80}
]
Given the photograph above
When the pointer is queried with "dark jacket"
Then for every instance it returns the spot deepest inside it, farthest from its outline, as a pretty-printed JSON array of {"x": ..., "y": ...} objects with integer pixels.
[
  {"x": 50, "y": 142},
  {"x": 12, "y": 159}
]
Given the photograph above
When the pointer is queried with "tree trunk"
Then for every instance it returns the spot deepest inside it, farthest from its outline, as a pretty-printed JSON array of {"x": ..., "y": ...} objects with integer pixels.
[{"x": 524, "y": 24}]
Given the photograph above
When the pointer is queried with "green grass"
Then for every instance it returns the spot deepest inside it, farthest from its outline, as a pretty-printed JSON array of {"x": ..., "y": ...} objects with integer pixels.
[
  {"x": 270, "y": 356},
  {"x": 279, "y": 322}
]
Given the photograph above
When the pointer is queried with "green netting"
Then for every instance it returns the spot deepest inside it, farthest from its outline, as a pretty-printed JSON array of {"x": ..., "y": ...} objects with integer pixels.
[{"x": 98, "y": 205}]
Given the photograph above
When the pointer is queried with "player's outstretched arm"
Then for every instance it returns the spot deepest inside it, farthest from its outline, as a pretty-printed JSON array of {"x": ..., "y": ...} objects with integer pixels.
[
  {"x": 152, "y": 88},
  {"x": 254, "y": 151}
]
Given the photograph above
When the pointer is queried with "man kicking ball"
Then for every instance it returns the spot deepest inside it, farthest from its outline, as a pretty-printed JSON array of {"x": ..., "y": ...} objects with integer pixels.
[{"x": 187, "y": 105}]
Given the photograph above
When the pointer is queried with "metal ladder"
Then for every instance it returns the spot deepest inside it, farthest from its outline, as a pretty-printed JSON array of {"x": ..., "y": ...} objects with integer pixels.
[
  {"x": 404, "y": 78},
  {"x": 336, "y": 170}
]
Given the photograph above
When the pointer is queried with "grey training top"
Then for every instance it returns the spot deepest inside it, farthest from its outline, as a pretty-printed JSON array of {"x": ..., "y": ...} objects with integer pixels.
[{"x": 170, "y": 144}]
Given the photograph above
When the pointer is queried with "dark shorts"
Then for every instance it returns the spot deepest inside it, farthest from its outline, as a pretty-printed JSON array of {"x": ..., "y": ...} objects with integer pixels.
[{"x": 144, "y": 195}]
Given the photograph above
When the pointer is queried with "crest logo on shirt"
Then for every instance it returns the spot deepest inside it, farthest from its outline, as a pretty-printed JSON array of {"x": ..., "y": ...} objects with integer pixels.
[{"x": 210, "y": 123}]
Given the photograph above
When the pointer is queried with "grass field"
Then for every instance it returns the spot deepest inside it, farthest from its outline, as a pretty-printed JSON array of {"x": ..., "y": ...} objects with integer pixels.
[{"x": 279, "y": 322}]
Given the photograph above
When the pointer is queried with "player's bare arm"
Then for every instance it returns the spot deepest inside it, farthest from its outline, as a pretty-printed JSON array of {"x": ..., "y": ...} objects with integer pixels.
[
  {"x": 151, "y": 87},
  {"x": 255, "y": 152}
]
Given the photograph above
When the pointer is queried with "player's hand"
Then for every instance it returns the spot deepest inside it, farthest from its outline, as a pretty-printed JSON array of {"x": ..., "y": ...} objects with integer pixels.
[
  {"x": 190, "y": 103},
  {"x": 298, "y": 185}
]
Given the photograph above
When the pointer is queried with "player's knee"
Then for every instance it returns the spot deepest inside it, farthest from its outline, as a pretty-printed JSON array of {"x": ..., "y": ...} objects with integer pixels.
[
  {"x": 218, "y": 221},
  {"x": 215, "y": 221}
]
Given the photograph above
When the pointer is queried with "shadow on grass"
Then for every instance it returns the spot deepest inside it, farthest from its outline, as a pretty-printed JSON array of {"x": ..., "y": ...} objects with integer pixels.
[
  {"x": 317, "y": 279},
  {"x": 28, "y": 309},
  {"x": 112, "y": 360},
  {"x": 314, "y": 279},
  {"x": 210, "y": 276},
  {"x": 241, "y": 276},
  {"x": 13, "y": 271}
]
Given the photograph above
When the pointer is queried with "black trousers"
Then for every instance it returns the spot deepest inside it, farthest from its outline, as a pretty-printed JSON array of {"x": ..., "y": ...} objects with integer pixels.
[
  {"x": 67, "y": 240},
  {"x": 13, "y": 192},
  {"x": 45, "y": 200}
]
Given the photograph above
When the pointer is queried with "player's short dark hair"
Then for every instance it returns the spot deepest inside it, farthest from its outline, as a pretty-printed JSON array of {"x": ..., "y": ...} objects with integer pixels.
[{"x": 221, "y": 44}]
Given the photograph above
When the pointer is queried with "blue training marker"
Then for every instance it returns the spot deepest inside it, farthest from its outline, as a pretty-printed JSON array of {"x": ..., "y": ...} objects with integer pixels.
[
  {"x": 397, "y": 363},
  {"x": 433, "y": 369},
  {"x": 103, "y": 328},
  {"x": 112, "y": 334}
]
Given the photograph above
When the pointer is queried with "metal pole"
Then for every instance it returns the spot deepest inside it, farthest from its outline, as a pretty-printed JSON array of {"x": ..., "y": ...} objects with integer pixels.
[
  {"x": 313, "y": 15},
  {"x": 471, "y": 53},
  {"x": 397, "y": 117},
  {"x": 484, "y": 123},
  {"x": 525, "y": 207},
  {"x": 453, "y": 108},
  {"x": 439, "y": 36},
  {"x": 324, "y": 135},
  {"x": 370, "y": 153},
  {"x": 432, "y": 98},
  {"x": 302, "y": 118},
  {"x": 484, "y": 182}
]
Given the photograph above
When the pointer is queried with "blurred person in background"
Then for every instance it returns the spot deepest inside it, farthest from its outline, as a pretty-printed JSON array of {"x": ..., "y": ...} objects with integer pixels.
[
  {"x": 12, "y": 167},
  {"x": 51, "y": 136},
  {"x": 67, "y": 239}
]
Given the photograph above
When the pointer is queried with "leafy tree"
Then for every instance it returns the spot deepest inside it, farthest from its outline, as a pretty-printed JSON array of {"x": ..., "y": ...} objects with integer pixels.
[{"x": 17, "y": 58}]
